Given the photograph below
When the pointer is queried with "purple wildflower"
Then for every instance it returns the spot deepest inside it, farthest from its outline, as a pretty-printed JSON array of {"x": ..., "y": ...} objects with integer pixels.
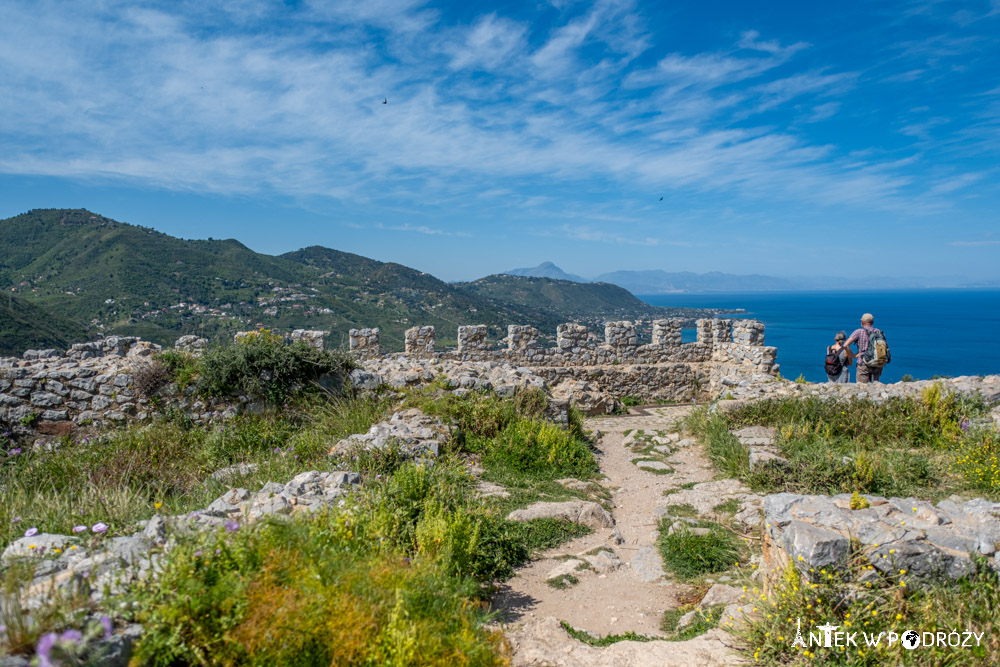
[
  {"x": 44, "y": 649},
  {"x": 30, "y": 532},
  {"x": 16, "y": 519},
  {"x": 79, "y": 529},
  {"x": 198, "y": 553},
  {"x": 15, "y": 451},
  {"x": 218, "y": 551},
  {"x": 277, "y": 450},
  {"x": 106, "y": 623},
  {"x": 99, "y": 527},
  {"x": 71, "y": 636},
  {"x": 232, "y": 526},
  {"x": 965, "y": 424}
]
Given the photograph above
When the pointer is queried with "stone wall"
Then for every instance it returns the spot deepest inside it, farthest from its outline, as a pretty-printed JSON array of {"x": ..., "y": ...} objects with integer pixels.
[
  {"x": 667, "y": 333},
  {"x": 473, "y": 339},
  {"x": 365, "y": 342},
  {"x": 730, "y": 350},
  {"x": 96, "y": 382},
  {"x": 91, "y": 383},
  {"x": 312, "y": 338},
  {"x": 419, "y": 340},
  {"x": 739, "y": 342}
]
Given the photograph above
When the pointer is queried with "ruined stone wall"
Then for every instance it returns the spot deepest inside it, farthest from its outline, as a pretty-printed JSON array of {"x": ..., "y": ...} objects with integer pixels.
[
  {"x": 727, "y": 341},
  {"x": 419, "y": 341},
  {"x": 725, "y": 349},
  {"x": 91, "y": 383},
  {"x": 96, "y": 382},
  {"x": 365, "y": 342}
]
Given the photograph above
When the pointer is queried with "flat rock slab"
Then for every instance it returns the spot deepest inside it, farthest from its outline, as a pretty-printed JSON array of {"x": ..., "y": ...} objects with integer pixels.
[
  {"x": 648, "y": 565},
  {"x": 491, "y": 490},
  {"x": 545, "y": 642},
  {"x": 756, "y": 432},
  {"x": 720, "y": 594},
  {"x": 583, "y": 512},
  {"x": 652, "y": 465},
  {"x": 928, "y": 542}
]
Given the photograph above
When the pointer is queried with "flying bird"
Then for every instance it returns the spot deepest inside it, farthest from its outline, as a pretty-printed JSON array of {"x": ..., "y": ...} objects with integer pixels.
[
  {"x": 661, "y": 198},
  {"x": 385, "y": 100}
]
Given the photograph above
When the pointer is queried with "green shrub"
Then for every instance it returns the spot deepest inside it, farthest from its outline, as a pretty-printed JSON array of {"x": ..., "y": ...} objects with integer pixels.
[
  {"x": 541, "y": 448},
  {"x": 265, "y": 367},
  {"x": 899, "y": 447}
]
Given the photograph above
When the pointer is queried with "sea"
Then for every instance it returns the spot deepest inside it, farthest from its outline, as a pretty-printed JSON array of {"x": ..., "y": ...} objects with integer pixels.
[{"x": 931, "y": 332}]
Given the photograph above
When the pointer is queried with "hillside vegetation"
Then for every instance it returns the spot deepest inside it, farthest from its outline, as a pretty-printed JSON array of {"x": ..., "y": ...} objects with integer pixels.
[
  {"x": 24, "y": 325},
  {"x": 120, "y": 278}
]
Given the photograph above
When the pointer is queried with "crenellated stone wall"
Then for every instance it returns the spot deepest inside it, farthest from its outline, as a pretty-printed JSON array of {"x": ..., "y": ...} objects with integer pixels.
[
  {"x": 667, "y": 333},
  {"x": 521, "y": 337},
  {"x": 102, "y": 381},
  {"x": 664, "y": 369}
]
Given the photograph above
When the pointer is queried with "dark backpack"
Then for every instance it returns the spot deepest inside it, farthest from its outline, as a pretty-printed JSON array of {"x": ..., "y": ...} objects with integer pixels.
[
  {"x": 833, "y": 363},
  {"x": 877, "y": 354}
]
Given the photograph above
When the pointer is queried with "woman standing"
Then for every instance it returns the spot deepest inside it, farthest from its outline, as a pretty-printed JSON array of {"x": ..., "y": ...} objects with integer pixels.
[{"x": 838, "y": 360}]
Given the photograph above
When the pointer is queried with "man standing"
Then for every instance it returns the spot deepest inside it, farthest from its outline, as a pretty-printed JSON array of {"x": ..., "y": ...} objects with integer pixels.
[{"x": 863, "y": 338}]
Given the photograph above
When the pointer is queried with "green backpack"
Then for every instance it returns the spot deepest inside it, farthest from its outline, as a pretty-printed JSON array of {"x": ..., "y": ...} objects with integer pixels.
[{"x": 877, "y": 354}]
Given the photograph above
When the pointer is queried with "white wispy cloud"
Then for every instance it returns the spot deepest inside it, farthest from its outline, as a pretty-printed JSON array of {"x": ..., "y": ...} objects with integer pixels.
[
  {"x": 973, "y": 243},
  {"x": 422, "y": 229},
  {"x": 289, "y": 101}
]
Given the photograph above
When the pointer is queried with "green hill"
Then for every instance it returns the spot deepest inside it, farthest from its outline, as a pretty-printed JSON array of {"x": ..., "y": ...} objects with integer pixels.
[
  {"x": 24, "y": 326},
  {"x": 556, "y": 301},
  {"x": 126, "y": 279}
]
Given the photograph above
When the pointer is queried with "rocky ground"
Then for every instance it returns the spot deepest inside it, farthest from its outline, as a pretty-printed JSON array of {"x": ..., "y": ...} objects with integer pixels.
[{"x": 620, "y": 584}]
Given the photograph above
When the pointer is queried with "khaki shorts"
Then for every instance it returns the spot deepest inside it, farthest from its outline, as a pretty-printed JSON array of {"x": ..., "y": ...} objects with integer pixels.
[{"x": 866, "y": 375}]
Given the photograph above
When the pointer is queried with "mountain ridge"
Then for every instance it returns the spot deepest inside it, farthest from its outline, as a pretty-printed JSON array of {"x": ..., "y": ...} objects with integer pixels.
[{"x": 116, "y": 277}]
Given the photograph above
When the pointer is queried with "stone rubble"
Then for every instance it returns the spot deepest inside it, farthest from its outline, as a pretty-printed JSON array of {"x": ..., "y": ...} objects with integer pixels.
[
  {"x": 415, "y": 434},
  {"x": 928, "y": 542}
]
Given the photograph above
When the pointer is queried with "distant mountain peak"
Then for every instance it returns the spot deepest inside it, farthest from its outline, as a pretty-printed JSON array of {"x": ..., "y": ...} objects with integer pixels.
[{"x": 546, "y": 270}]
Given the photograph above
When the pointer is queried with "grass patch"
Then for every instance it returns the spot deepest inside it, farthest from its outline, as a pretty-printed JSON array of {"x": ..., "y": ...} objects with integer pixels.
[
  {"x": 128, "y": 474},
  {"x": 690, "y": 554},
  {"x": 683, "y": 510},
  {"x": 309, "y": 592},
  {"x": 394, "y": 576},
  {"x": 562, "y": 582},
  {"x": 731, "y": 506},
  {"x": 606, "y": 640},
  {"x": 704, "y": 620},
  {"x": 923, "y": 446}
]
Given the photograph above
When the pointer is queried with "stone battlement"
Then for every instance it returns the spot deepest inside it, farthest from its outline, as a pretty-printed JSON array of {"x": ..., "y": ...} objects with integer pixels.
[{"x": 737, "y": 342}]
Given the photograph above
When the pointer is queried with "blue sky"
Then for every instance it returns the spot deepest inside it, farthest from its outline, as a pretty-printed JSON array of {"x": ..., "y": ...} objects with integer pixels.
[{"x": 786, "y": 138}]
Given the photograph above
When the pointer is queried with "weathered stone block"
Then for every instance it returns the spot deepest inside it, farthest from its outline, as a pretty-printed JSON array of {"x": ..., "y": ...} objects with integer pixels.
[
  {"x": 419, "y": 341},
  {"x": 472, "y": 338}
]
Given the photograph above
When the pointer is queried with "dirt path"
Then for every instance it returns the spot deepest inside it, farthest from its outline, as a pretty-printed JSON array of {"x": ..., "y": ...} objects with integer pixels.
[{"x": 621, "y": 586}]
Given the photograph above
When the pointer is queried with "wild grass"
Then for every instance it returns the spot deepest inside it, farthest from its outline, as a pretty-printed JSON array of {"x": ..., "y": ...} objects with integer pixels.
[
  {"x": 972, "y": 604},
  {"x": 606, "y": 640},
  {"x": 691, "y": 552},
  {"x": 921, "y": 446},
  {"x": 395, "y": 576},
  {"x": 125, "y": 475}
]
